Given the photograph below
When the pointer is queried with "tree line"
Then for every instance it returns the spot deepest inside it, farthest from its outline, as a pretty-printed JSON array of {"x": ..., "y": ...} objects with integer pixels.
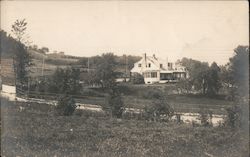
[{"x": 230, "y": 79}]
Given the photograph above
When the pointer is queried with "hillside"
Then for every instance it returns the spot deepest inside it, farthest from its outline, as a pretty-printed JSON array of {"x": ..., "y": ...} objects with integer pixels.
[
  {"x": 46, "y": 63},
  {"x": 7, "y": 71}
]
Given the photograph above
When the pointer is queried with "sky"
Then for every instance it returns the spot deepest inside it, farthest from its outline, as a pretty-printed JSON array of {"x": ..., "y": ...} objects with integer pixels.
[{"x": 203, "y": 30}]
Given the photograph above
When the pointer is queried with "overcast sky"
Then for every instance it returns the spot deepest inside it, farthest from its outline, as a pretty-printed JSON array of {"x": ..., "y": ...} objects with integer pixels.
[{"x": 207, "y": 30}]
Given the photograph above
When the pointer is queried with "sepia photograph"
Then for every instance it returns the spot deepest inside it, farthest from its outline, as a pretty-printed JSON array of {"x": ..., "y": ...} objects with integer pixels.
[{"x": 124, "y": 78}]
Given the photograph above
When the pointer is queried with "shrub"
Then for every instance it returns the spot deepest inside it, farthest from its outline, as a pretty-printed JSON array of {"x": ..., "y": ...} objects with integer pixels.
[
  {"x": 184, "y": 86},
  {"x": 115, "y": 103},
  {"x": 204, "y": 117},
  {"x": 159, "y": 111},
  {"x": 137, "y": 79},
  {"x": 66, "y": 106},
  {"x": 233, "y": 116}
]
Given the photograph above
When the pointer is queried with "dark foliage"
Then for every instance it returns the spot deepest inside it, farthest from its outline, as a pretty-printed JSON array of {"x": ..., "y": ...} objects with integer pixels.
[
  {"x": 66, "y": 105},
  {"x": 115, "y": 103},
  {"x": 203, "y": 78},
  {"x": 11, "y": 48},
  {"x": 63, "y": 81},
  {"x": 161, "y": 110},
  {"x": 137, "y": 79},
  {"x": 205, "y": 117}
]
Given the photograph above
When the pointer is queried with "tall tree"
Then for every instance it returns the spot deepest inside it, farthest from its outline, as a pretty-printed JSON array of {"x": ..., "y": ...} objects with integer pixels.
[
  {"x": 107, "y": 75},
  {"x": 198, "y": 72},
  {"x": 19, "y": 30},
  {"x": 213, "y": 82},
  {"x": 238, "y": 76},
  {"x": 22, "y": 62},
  {"x": 239, "y": 66},
  {"x": 106, "y": 70},
  {"x": 22, "y": 58}
]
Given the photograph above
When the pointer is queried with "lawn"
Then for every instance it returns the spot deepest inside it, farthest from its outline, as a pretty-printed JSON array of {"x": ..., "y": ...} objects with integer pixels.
[
  {"x": 30, "y": 129},
  {"x": 139, "y": 96}
]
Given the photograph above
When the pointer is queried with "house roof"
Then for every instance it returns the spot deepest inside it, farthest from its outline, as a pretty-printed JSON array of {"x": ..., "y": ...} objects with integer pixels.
[{"x": 156, "y": 61}]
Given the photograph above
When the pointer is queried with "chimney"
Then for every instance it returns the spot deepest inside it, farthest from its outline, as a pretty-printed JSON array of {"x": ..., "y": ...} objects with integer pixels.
[
  {"x": 144, "y": 60},
  {"x": 167, "y": 63},
  {"x": 144, "y": 56}
]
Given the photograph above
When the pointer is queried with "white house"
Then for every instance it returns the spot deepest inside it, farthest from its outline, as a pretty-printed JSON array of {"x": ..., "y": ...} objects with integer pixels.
[{"x": 156, "y": 70}]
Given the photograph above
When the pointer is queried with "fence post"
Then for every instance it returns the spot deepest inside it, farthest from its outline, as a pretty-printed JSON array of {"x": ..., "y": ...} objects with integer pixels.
[{"x": 178, "y": 117}]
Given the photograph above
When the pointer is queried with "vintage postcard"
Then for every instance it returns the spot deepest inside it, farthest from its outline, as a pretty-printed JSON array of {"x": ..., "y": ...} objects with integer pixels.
[{"x": 124, "y": 78}]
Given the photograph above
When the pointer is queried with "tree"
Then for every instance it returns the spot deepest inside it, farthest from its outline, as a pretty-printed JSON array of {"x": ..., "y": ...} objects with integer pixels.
[
  {"x": 184, "y": 86},
  {"x": 74, "y": 81},
  {"x": 92, "y": 78},
  {"x": 212, "y": 80},
  {"x": 22, "y": 62},
  {"x": 44, "y": 50},
  {"x": 239, "y": 66},
  {"x": 106, "y": 70},
  {"x": 22, "y": 58},
  {"x": 198, "y": 72},
  {"x": 202, "y": 77},
  {"x": 65, "y": 81},
  {"x": 19, "y": 30},
  {"x": 227, "y": 81}
]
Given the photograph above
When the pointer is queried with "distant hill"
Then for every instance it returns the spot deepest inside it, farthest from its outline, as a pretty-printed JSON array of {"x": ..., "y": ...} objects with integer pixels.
[
  {"x": 50, "y": 61},
  {"x": 54, "y": 59}
]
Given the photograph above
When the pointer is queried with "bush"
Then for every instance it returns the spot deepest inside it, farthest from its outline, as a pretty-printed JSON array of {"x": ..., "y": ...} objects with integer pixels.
[
  {"x": 233, "y": 116},
  {"x": 159, "y": 111},
  {"x": 204, "y": 116},
  {"x": 66, "y": 106},
  {"x": 184, "y": 86},
  {"x": 137, "y": 79},
  {"x": 115, "y": 104}
]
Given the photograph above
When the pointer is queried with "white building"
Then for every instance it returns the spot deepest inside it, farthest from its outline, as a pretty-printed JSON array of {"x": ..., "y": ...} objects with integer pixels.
[{"x": 156, "y": 70}]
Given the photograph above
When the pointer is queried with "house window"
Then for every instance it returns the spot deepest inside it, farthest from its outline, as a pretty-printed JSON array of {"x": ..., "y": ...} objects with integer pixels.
[
  {"x": 139, "y": 65},
  {"x": 149, "y": 65},
  {"x": 160, "y": 65},
  {"x": 147, "y": 75},
  {"x": 154, "y": 74}
]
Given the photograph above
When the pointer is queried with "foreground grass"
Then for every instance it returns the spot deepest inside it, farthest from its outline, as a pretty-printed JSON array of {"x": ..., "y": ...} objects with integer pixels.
[{"x": 35, "y": 130}]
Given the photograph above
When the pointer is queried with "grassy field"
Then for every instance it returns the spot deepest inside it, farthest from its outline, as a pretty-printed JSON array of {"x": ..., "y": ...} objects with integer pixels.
[
  {"x": 183, "y": 103},
  {"x": 34, "y": 130},
  {"x": 139, "y": 96}
]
